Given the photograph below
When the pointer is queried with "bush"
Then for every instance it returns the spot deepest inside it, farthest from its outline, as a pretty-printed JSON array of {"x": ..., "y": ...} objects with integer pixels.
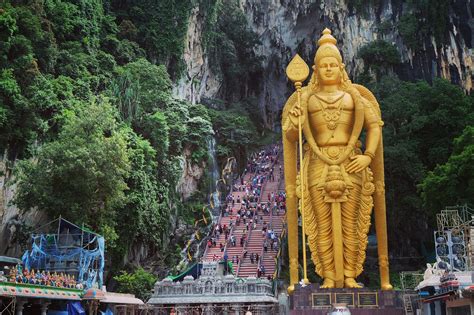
[
  {"x": 379, "y": 55},
  {"x": 139, "y": 283}
]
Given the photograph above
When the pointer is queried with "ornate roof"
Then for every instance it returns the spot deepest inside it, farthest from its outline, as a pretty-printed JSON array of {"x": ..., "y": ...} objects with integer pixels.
[{"x": 36, "y": 291}]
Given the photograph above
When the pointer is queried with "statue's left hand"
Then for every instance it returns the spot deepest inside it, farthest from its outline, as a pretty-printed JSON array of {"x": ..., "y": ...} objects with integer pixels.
[{"x": 359, "y": 162}]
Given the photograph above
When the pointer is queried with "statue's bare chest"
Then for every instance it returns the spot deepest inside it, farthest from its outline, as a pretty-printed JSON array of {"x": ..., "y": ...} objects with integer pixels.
[
  {"x": 321, "y": 102},
  {"x": 331, "y": 109}
]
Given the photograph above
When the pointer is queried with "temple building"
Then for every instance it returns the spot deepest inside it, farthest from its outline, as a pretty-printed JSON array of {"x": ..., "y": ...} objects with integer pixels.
[{"x": 213, "y": 292}]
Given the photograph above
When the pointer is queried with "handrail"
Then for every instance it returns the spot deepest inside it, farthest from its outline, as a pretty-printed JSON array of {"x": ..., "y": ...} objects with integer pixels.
[
  {"x": 262, "y": 253},
  {"x": 278, "y": 255}
]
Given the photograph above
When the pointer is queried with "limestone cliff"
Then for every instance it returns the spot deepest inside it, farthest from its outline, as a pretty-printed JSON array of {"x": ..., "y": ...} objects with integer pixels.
[
  {"x": 286, "y": 27},
  {"x": 198, "y": 80},
  {"x": 191, "y": 176},
  {"x": 15, "y": 225}
]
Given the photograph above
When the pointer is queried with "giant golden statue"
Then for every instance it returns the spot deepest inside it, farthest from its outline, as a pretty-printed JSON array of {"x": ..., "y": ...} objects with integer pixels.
[{"x": 337, "y": 185}]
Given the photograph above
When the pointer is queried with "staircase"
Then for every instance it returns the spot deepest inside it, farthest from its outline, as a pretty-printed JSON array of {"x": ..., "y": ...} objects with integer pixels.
[
  {"x": 277, "y": 220},
  {"x": 408, "y": 304},
  {"x": 215, "y": 251},
  {"x": 254, "y": 241}
]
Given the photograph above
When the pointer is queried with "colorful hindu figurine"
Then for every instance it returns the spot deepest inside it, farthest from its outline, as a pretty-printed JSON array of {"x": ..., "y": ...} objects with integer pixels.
[
  {"x": 48, "y": 279},
  {"x": 43, "y": 278},
  {"x": 26, "y": 276},
  {"x": 54, "y": 279},
  {"x": 61, "y": 280},
  {"x": 32, "y": 278},
  {"x": 38, "y": 277},
  {"x": 13, "y": 275}
]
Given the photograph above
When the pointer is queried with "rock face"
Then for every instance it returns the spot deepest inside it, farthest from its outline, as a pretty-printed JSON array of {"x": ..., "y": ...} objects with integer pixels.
[
  {"x": 14, "y": 224},
  {"x": 198, "y": 80},
  {"x": 191, "y": 175},
  {"x": 286, "y": 27}
]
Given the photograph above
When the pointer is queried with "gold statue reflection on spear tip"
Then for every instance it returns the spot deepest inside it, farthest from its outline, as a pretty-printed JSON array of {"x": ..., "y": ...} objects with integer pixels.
[{"x": 337, "y": 185}]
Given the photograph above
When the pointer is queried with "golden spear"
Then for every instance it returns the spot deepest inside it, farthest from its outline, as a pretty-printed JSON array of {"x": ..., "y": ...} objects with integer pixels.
[{"x": 298, "y": 71}]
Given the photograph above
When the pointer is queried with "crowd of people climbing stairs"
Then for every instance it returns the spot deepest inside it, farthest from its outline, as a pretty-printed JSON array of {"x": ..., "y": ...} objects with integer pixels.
[{"x": 248, "y": 231}]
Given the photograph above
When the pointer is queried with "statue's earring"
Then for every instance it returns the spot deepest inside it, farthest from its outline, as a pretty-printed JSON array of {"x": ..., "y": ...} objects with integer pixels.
[{"x": 343, "y": 69}]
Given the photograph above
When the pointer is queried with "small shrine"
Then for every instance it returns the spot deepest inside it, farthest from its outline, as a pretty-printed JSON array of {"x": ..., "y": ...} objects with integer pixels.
[
  {"x": 67, "y": 251},
  {"x": 63, "y": 261}
]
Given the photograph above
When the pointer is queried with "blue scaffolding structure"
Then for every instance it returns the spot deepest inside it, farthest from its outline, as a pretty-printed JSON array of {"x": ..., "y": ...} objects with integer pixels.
[{"x": 67, "y": 249}]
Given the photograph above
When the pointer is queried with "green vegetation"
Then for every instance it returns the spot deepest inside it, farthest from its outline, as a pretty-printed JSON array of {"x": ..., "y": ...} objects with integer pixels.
[
  {"x": 235, "y": 132},
  {"x": 139, "y": 283},
  {"x": 408, "y": 27},
  {"x": 88, "y": 118},
  {"x": 230, "y": 43},
  {"x": 87, "y": 115},
  {"x": 379, "y": 56},
  {"x": 386, "y": 26},
  {"x": 420, "y": 122},
  {"x": 455, "y": 178},
  {"x": 362, "y": 6},
  {"x": 158, "y": 27},
  {"x": 423, "y": 19},
  {"x": 84, "y": 168}
]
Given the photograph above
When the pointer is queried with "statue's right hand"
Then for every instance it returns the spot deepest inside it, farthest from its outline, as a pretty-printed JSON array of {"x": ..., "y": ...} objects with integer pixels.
[{"x": 296, "y": 111}]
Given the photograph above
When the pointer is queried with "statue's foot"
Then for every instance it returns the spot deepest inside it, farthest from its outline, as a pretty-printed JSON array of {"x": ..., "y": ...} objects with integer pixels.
[
  {"x": 291, "y": 289},
  {"x": 386, "y": 286},
  {"x": 328, "y": 284},
  {"x": 351, "y": 283}
]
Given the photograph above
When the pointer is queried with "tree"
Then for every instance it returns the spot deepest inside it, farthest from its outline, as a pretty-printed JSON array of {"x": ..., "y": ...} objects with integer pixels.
[
  {"x": 420, "y": 121},
  {"x": 80, "y": 175},
  {"x": 235, "y": 133},
  {"x": 139, "y": 283},
  {"x": 152, "y": 83},
  {"x": 145, "y": 199},
  {"x": 379, "y": 56},
  {"x": 452, "y": 183},
  {"x": 160, "y": 27}
]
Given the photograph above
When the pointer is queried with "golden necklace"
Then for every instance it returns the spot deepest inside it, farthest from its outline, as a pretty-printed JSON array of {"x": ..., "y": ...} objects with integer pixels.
[{"x": 331, "y": 109}]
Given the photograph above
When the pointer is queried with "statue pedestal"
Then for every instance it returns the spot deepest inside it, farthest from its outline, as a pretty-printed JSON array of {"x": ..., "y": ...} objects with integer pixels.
[{"x": 313, "y": 300}]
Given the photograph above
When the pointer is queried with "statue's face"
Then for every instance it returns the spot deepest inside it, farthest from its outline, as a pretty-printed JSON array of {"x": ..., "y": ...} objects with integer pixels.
[{"x": 329, "y": 70}]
